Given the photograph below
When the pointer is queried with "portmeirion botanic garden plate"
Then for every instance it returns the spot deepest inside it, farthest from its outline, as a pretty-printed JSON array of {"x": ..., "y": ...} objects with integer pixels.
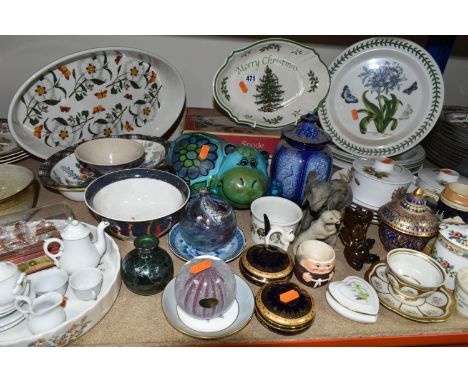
[
  {"x": 386, "y": 95},
  {"x": 95, "y": 93},
  {"x": 271, "y": 83}
]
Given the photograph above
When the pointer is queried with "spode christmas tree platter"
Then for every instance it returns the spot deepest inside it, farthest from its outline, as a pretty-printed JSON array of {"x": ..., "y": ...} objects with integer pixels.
[
  {"x": 271, "y": 83},
  {"x": 95, "y": 93},
  {"x": 386, "y": 95}
]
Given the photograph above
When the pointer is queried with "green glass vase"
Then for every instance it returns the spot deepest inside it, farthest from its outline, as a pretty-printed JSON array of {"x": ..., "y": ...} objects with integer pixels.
[{"x": 147, "y": 269}]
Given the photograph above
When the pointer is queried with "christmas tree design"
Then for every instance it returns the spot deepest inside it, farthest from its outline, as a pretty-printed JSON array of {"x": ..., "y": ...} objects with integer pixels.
[{"x": 269, "y": 92}]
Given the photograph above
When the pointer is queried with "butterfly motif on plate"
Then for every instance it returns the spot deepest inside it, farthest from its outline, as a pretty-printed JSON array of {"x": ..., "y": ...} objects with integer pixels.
[
  {"x": 412, "y": 88},
  {"x": 347, "y": 96},
  {"x": 101, "y": 94},
  {"x": 406, "y": 113}
]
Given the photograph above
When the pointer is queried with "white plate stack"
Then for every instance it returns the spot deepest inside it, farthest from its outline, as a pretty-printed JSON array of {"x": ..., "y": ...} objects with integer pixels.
[
  {"x": 10, "y": 152},
  {"x": 412, "y": 159}
]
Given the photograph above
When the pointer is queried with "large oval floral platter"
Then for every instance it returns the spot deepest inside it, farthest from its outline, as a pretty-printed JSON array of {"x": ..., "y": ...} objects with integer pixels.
[
  {"x": 81, "y": 315},
  {"x": 385, "y": 97},
  {"x": 95, "y": 93},
  {"x": 271, "y": 83}
]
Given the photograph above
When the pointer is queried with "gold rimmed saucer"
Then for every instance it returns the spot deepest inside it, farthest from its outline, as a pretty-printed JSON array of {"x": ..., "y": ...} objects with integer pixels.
[{"x": 437, "y": 307}]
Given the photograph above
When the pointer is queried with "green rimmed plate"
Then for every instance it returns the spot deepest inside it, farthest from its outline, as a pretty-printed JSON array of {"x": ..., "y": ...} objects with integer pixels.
[
  {"x": 385, "y": 97},
  {"x": 271, "y": 83}
]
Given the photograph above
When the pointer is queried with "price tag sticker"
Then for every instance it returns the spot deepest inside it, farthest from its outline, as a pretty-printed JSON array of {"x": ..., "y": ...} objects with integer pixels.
[
  {"x": 200, "y": 266},
  {"x": 251, "y": 79},
  {"x": 205, "y": 149},
  {"x": 289, "y": 296}
]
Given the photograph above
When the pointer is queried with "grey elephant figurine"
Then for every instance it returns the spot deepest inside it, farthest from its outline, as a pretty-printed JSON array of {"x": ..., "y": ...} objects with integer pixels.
[{"x": 319, "y": 196}]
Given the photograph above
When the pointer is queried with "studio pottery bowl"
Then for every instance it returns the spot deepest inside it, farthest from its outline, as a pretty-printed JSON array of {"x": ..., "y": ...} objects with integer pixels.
[
  {"x": 17, "y": 188},
  {"x": 105, "y": 155},
  {"x": 137, "y": 201}
]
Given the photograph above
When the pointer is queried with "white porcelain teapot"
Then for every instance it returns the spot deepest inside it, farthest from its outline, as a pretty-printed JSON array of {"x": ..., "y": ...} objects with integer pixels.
[{"x": 77, "y": 251}]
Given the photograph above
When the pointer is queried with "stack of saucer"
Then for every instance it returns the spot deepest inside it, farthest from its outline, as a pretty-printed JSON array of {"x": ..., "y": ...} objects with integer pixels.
[
  {"x": 412, "y": 159},
  {"x": 354, "y": 298},
  {"x": 9, "y": 315},
  {"x": 10, "y": 152}
]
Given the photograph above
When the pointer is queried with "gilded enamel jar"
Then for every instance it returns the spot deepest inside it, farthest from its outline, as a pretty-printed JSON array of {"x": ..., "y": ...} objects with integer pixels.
[
  {"x": 407, "y": 222},
  {"x": 451, "y": 250}
]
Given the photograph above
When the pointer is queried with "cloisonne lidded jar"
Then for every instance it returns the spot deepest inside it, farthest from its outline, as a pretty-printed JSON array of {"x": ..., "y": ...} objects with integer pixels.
[
  {"x": 407, "y": 222},
  {"x": 303, "y": 148},
  {"x": 147, "y": 269}
]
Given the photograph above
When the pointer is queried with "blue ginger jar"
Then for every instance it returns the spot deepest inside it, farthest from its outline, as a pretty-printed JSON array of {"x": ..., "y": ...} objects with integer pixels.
[
  {"x": 208, "y": 222},
  {"x": 302, "y": 149}
]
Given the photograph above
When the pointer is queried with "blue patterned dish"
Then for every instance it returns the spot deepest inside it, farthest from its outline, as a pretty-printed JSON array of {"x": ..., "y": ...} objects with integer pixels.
[{"x": 182, "y": 250}]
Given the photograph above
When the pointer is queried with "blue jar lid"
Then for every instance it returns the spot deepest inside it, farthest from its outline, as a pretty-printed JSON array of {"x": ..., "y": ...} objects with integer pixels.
[{"x": 307, "y": 131}]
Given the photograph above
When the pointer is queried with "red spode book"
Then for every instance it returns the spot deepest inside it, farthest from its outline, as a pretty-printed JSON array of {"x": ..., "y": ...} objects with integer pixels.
[{"x": 211, "y": 121}]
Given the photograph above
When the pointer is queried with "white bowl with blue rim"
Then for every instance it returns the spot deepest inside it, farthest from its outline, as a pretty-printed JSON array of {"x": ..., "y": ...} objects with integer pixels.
[{"x": 137, "y": 201}]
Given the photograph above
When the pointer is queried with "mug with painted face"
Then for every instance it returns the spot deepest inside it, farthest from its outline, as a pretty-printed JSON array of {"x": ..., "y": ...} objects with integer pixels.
[
  {"x": 284, "y": 217},
  {"x": 314, "y": 263}
]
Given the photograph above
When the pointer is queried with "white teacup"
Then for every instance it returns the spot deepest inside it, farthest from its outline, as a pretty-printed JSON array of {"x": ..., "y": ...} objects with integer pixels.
[
  {"x": 50, "y": 280},
  {"x": 284, "y": 216},
  {"x": 11, "y": 282},
  {"x": 86, "y": 283}
]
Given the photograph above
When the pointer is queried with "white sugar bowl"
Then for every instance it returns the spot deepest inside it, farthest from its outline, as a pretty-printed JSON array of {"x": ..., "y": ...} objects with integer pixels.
[{"x": 377, "y": 181}]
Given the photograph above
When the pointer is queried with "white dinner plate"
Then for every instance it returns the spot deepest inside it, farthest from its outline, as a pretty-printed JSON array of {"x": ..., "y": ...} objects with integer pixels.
[{"x": 386, "y": 94}]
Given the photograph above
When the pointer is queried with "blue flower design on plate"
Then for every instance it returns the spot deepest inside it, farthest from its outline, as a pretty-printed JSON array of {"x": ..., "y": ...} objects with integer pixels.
[{"x": 182, "y": 250}]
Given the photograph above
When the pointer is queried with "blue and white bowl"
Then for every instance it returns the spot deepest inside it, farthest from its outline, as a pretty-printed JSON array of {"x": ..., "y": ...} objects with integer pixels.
[{"x": 137, "y": 201}]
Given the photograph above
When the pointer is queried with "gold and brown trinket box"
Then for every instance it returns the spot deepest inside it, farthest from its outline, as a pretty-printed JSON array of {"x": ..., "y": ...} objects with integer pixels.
[
  {"x": 264, "y": 263},
  {"x": 284, "y": 308}
]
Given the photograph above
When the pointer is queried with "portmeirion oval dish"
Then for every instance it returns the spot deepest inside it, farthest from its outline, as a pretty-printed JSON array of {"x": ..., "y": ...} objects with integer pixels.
[
  {"x": 434, "y": 179},
  {"x": 451, "y": 250},
  {"x": 80, "y": 316},
  {"x": 95, "y": 93},
  {"x": 377, "y": 181},
  {"x": 64, "y": 173},
  {"x": 271, "y": 83},
  {"x": 407, "y": 222},
  {"x": 385, "y": 97}
]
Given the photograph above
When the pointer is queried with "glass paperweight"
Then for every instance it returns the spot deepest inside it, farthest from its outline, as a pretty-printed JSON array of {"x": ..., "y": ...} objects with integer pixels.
[
  {"x": 205, "y": 288},
  {"x": 208, "y": 222}
]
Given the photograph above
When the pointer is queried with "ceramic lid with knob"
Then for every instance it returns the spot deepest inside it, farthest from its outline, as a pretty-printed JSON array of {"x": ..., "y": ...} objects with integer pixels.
[
  {"x": 284, "y": 307},
  {"x": 74, "y": 231},
  {"x": 383, "y": 170},
  {"x": 410, "y": 215},
  {"x": 436, "y": 179},
  {"x": 264, "y": 263}
]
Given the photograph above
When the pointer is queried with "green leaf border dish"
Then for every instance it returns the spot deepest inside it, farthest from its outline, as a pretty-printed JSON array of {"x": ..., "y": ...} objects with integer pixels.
[
  {"x": 406, "y": 142},
  {"x": 95, "y": 93},
  {"x": 273, "y": 112}
]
